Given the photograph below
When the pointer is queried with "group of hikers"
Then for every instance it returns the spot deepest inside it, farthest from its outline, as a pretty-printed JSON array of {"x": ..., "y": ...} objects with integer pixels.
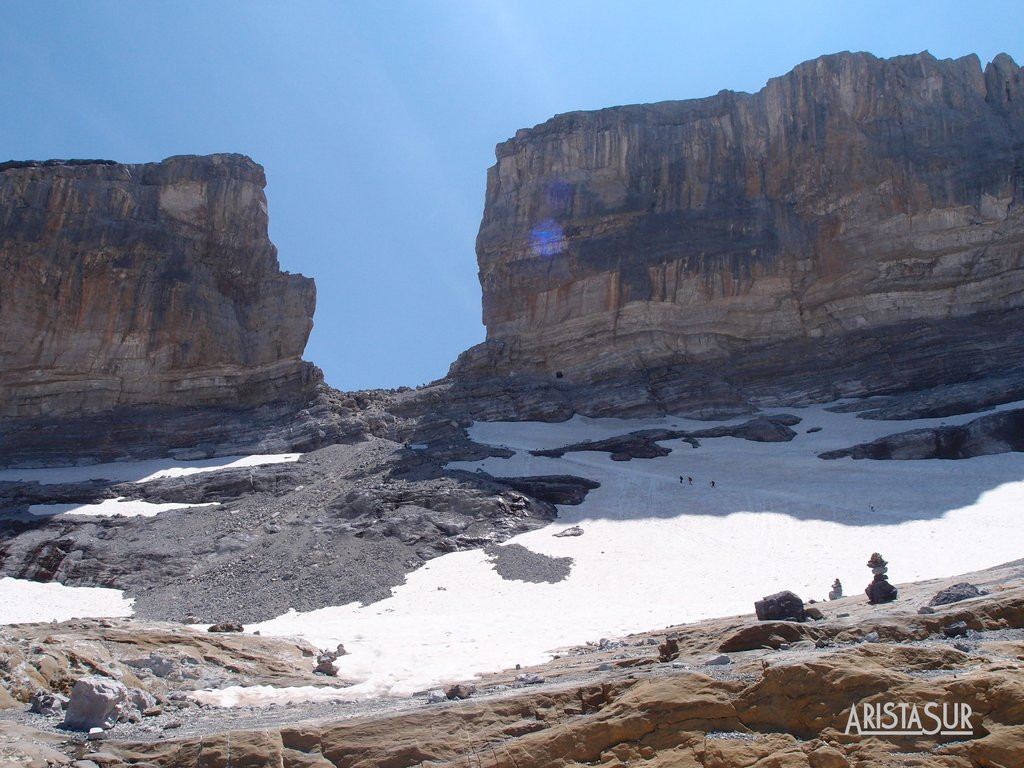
[{"x": 689, "y": 481}]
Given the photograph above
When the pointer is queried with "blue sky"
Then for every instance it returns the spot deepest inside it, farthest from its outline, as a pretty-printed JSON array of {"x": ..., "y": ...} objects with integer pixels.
[{"x": 376, "y": 121}]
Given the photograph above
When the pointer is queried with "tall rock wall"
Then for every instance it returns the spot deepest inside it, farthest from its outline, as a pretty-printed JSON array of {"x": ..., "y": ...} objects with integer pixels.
[
  {"x": 142, "y": 309},
  {"x": 854, "y": 197},
  {"x": 155, "y": 284}
]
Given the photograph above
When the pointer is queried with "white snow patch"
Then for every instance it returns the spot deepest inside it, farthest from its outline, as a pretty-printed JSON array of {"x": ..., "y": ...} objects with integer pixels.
[
  {"x": 23, "y": 601},
  {"x": 111, "y": 507},
  {"x": 140, "y": 471},
  {"x": 264, "y": 695},
  {"x": 657, "y": 552}
]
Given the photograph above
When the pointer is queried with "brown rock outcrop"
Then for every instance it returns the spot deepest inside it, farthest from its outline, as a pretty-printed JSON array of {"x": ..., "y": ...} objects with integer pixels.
[
  {"x": 151, "y": 286},
  {"x": 796, "y": 714},
  {"x": 862, "y": 215},
  {"x": 161, "y": 658}
]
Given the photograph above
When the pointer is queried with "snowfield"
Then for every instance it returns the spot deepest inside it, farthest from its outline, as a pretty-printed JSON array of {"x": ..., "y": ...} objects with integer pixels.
[
  {"x": 657, "y": 552},
  {"x": 264, "y": 695}
]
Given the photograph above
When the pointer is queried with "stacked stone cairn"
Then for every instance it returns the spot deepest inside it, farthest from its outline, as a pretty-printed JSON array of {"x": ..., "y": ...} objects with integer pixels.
[
  {"x": 837, "y": 590},
  {"x": 879, "y": 590}
]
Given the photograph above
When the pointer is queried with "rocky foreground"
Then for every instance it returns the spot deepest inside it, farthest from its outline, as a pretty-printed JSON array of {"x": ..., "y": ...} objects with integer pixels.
[{"x": 730, "y": 693}]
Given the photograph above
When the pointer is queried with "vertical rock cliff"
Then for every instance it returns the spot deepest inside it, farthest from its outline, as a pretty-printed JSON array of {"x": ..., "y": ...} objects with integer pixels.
[
  {"x": 858, "y": 216},
  {"x": 144, "y": 289},
  {"x": 146, "y": 284}
]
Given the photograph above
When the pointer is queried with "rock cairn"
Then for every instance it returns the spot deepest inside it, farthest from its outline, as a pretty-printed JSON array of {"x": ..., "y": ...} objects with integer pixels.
[
  {"x": 325, "y": 661},
  {"x": 879, "y": 590},
  {"x": 837, "y": 590}
]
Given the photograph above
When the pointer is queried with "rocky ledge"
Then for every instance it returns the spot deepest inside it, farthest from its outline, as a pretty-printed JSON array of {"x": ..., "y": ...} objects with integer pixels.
[{"x": 1000, "y": 432}]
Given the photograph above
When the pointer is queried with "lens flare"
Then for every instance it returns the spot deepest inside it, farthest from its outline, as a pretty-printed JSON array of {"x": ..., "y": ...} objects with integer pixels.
[{"x": 547, "y": 238}]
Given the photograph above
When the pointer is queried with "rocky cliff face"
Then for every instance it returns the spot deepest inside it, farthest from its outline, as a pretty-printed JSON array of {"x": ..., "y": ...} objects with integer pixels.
[
  {"x": 149, "y": 284},
  {"x": 133, "y": 291},
  {"x": 863, "y": 215}
]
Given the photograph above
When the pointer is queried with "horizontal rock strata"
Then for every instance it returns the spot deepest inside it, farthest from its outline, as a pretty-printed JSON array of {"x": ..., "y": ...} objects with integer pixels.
[
  {"x": 134, "y": 291},
  {"x": 858, "y": 214}
]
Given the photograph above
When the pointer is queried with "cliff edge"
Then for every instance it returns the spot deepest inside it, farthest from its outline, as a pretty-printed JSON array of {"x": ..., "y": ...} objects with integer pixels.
[
  {"x": 860, "y": 215},
  {"x": 135, "y": 296}
]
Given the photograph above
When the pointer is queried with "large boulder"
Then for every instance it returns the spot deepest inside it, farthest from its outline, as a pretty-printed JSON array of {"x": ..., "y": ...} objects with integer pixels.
[
  {"x": 782, "y": 606},
  {"x": 956, "y": 593},
  {"x": 96, "y": 702}
]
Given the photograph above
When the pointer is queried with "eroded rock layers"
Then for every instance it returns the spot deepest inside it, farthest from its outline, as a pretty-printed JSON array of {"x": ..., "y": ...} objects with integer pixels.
[
  {"x": 862, "y": 215},
  {"x": 132, "y": 291}
]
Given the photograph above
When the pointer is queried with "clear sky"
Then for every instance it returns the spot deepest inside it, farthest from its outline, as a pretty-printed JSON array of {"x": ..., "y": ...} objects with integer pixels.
[{"x": 376, "y": 121}]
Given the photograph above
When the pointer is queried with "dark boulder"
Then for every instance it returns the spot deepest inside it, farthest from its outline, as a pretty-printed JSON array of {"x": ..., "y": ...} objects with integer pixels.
[
  {"x": 956, "y": 593},
  {"x": 782, "y": 606},
  {"x": 226, "y": 626},
  {"x": 668, "y": 650},
  {"x": 959, "y": 629},
  {"x": 460, "y": 691}
]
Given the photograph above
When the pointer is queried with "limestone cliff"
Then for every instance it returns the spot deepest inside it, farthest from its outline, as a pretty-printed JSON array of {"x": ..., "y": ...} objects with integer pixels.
[
  {"x": 149, "y": 284},
  {"x": 860, "y": 215},
  {"x": 135, "y": 290}
]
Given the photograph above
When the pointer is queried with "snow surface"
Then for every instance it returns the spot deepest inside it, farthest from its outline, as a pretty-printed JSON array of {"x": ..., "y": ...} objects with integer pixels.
[
  {"x": 111, "y": 507},
  {"x": 139, "y": 471},
  {"x": 23, "y": 601},
  {"x": 656, "y": 552},
  {"x": 263, "y": 695}
]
